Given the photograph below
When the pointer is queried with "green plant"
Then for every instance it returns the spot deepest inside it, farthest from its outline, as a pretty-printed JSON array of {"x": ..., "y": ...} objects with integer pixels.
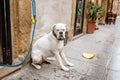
[
  {"x": 94, "y": 11},
  {"x": 101, "y": 12}
]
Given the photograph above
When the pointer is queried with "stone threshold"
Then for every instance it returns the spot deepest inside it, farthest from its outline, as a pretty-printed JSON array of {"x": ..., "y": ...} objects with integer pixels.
[
  {"x": 5, "y": 71},
  {"x": 78, "y": 36}
]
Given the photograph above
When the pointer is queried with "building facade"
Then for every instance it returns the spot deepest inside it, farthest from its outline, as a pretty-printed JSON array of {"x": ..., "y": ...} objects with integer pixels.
[{"x": 49, "y": 12}]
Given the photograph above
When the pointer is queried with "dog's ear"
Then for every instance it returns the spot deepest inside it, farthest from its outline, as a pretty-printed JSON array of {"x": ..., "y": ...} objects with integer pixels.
[
  {"x": 53, "y": 28},
  {"x": 66, "y": 38},
  {"x": 67, "y": 29}
]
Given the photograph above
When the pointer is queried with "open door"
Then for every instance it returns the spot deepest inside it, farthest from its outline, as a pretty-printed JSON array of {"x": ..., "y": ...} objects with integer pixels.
[
  {"x": 5, "y": 33},
  {"x": 78, "y": 27}
]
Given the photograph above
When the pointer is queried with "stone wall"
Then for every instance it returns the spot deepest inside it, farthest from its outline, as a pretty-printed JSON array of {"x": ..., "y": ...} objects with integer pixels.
[
  {"x": 14, "y": 26},
  {"x": 24, "y": 25},
  {"x": 21, "y": 26}
]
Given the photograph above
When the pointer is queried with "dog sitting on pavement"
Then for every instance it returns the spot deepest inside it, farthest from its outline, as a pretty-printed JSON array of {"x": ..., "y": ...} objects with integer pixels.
[{"x": 51, "y": 45}]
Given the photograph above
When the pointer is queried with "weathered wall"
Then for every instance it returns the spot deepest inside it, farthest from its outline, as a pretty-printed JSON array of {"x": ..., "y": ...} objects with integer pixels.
[
  {"x": 115, "y": 8},
  {"x": 50, "y": 12},
  {"x": 24, "y": 25},
  {"x": 21, "y": 26},
  {"x": 14, "y": 26}
]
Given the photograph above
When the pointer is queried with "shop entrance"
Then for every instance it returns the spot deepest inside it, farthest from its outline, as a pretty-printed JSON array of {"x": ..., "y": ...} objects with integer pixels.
[{"x": 78, "y": 27}]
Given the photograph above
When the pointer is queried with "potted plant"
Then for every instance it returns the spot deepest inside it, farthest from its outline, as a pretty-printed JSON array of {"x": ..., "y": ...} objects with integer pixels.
[{"x": 94, "y": 12}]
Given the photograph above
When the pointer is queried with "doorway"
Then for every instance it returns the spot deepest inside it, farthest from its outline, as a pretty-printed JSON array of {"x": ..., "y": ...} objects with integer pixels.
[
  {"x": 78, "y": 27},
  {"x": 5, "y": 33}
]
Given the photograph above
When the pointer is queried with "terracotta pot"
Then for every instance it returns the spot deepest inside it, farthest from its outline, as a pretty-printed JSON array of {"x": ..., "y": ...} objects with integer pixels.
[{"x": 91, "y": 27}]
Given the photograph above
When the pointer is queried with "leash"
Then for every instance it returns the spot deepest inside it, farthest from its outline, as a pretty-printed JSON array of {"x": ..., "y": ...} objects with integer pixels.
[{"x": 30, "y": 46}]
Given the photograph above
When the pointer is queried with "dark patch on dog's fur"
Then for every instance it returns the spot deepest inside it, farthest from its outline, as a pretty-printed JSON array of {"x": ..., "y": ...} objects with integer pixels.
[
  {"x": 66, "y": 38},
  {"x": 46, "y": 62}
]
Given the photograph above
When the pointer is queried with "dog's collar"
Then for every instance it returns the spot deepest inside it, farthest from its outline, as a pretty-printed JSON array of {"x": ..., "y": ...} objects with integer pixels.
[{"x": 54, "y": 34}]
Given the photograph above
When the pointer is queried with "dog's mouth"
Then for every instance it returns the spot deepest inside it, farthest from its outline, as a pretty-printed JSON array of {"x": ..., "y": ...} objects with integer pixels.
[{"x": 61, "y": 37}]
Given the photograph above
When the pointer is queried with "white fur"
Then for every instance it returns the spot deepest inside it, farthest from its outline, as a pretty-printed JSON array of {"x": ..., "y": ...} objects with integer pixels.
[{"x": 48, "y": 46}]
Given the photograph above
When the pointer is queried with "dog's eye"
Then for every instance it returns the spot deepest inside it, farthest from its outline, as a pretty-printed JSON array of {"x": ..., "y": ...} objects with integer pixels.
[
  {"x": 57, "y": 29},
  {"x": 63, "y": 29}
]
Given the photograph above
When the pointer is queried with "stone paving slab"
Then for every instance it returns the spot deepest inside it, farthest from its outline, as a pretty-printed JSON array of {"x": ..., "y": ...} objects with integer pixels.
[
  {"x": 113, "y": 75},
  {"x": 53, "y": 72},
  {"x": 115, "y": 63},
  {"x": 84, "y": 69},
  {"x": 95, "y": 44}
]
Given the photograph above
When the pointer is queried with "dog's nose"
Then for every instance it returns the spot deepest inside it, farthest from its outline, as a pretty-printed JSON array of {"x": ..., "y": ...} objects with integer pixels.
[{"x": 60, "y": 32}]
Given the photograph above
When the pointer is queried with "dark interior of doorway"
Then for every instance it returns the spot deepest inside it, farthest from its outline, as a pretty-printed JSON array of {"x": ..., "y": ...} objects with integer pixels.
[
  {"x": 78, "y": 26},
  {"x": 5, "y": 33}
]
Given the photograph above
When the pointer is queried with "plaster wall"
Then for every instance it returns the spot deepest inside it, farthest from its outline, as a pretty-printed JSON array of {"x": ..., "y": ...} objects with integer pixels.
[
  {"x": 20, "y": 26},
  {"x": 50, "y": 12}
]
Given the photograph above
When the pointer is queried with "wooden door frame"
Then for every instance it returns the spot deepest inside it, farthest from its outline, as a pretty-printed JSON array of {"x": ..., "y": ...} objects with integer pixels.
[
  {"x": 82, "y": 22},
  {"x": 71, "y": 31}
]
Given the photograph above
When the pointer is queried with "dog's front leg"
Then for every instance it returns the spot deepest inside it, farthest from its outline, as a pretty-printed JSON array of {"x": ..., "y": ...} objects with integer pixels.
[
  {"x": 65, "y": 59},
  {"x": 58, "y": 58}
]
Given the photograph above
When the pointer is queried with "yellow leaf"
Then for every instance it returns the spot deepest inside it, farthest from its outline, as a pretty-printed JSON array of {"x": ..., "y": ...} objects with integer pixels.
[{"x": 88, "y": 55}]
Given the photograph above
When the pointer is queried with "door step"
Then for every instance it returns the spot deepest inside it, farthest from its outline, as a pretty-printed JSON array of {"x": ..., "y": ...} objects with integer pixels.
[{"x": 5, "y": 71}]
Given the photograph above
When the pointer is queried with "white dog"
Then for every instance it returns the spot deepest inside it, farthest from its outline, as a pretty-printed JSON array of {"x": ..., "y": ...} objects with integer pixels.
[{"x": 51, "y": 45}]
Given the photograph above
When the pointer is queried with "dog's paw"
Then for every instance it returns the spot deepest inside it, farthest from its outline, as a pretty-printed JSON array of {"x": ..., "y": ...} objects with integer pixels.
[
  {"x": 36, "y": 66},
  {"x": 65, "y": 68},
  {"x": 70, "y": 64}
]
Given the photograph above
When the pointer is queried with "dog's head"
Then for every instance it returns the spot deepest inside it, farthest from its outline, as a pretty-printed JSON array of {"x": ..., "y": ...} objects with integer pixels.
[{"x": 60, "y": 30}]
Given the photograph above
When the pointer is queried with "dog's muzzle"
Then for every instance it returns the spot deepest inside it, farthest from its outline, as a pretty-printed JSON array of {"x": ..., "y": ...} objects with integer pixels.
[{"x": 61, "y": 37}]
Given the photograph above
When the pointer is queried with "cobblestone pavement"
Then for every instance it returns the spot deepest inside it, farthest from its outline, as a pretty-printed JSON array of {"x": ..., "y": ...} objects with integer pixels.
[{"x": 105, "y": 43}]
